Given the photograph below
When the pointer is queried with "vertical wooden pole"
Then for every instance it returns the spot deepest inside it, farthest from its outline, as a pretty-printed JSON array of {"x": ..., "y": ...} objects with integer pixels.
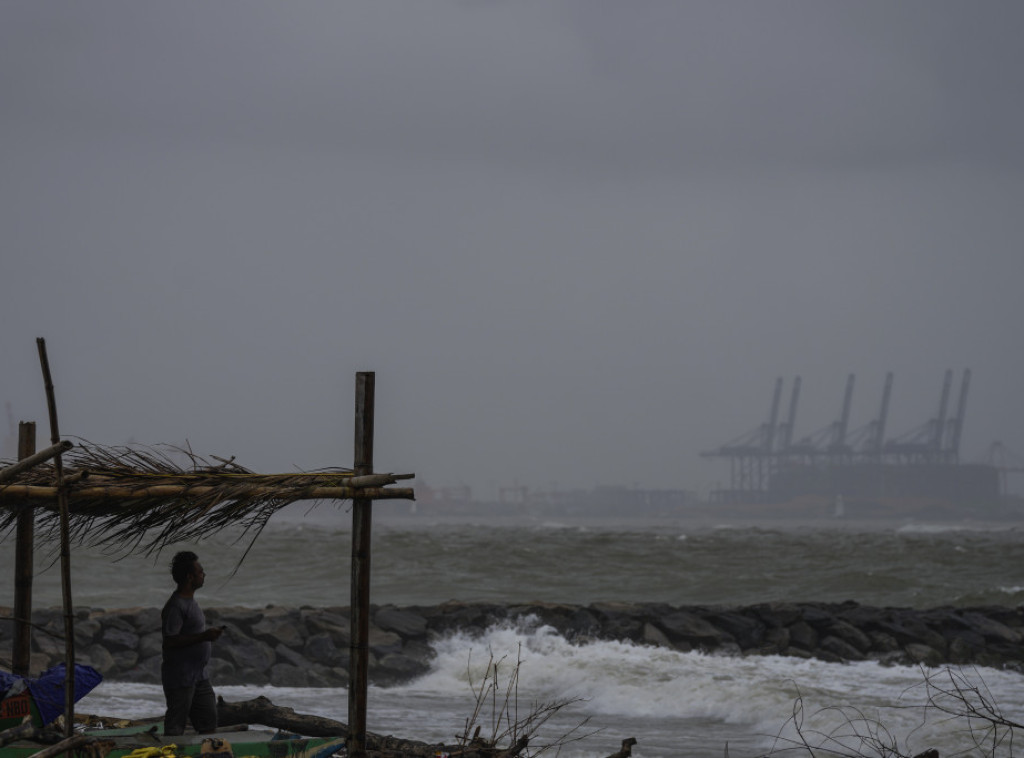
[
  {"x": 359, "y": 606},
  {"x": 65, "y": 550},
  {"x": 21, "y": 655}
]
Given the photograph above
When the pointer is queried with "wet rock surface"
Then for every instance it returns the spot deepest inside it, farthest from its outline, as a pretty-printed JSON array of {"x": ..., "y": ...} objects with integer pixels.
[{"x": 299, "y": 647}]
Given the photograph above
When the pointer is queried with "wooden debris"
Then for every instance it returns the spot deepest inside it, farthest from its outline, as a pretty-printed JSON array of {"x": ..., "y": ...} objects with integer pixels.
[
  {"x": 75, "y": 742},
  {"x": 26, "y": 730},
  {"x": 262, "y": 711},
  {"x": 627, "y": 749}
]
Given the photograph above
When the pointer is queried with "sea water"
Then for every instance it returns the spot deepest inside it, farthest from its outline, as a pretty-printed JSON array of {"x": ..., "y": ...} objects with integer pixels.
[{"x": 675, "y": 704}]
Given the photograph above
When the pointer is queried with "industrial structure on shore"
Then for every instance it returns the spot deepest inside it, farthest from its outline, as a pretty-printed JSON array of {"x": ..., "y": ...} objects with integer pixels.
[{"x": 771, "y": 465}]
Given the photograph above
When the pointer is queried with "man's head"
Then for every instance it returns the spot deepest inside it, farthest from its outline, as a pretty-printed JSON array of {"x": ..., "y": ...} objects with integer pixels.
[{"x": 186, "y": 570}]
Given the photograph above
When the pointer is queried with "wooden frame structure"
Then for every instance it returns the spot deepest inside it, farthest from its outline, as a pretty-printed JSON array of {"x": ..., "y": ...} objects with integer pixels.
[{"x": 142, "y": 500}]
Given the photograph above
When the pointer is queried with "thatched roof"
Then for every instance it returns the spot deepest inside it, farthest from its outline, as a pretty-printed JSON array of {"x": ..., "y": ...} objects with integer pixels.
[{"x": 138, "y": 499}]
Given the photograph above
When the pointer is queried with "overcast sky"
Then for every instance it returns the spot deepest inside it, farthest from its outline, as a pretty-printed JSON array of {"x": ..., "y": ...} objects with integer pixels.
[{"x": 577, "y": 240}]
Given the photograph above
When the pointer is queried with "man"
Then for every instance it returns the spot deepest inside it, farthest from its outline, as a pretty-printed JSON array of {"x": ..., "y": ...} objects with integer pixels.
[{"x": 186, "y": 652}]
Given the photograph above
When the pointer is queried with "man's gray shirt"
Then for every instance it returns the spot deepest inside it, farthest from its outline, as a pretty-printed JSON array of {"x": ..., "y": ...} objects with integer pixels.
[{"x": 184, "y": 666}]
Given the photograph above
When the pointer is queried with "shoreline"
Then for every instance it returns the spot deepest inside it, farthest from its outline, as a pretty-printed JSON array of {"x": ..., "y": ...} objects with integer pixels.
[{"x": 308, "y": 647}]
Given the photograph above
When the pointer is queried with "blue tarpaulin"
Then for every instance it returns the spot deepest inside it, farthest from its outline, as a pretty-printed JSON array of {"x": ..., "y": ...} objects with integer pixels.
[{"x": 47, "y": 689}]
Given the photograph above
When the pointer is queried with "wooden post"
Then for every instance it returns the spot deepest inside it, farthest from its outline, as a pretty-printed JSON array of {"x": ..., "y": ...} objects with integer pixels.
[
  {"x": 21, "y": 654},
  {"x": 65, "y": 550},
  {"x": 359, "y": 605}
]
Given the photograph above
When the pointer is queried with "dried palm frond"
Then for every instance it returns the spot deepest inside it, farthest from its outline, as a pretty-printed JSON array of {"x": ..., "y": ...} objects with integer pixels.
[{"x": 138, "y": 499}]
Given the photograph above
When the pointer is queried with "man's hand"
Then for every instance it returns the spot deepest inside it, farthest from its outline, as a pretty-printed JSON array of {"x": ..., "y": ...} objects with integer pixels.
[{"x": 213, "y": 633}]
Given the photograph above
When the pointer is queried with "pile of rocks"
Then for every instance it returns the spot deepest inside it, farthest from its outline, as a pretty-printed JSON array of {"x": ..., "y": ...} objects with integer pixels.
[{"x": 298, "y": 647}]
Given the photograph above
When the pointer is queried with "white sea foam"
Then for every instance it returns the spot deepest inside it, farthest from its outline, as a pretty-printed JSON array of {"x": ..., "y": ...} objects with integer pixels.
[
  {"x": 624, "y": 681},
  {"x": 915, "y": 528},
  {"x": 675, "y": 703}
]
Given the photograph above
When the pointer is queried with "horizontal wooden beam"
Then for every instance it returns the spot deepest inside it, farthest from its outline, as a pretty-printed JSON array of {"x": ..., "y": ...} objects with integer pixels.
[
  {"x": 35, "y": 459},
  {"x": 376, "y": 480},
  {"x": 23, "y": 492}
]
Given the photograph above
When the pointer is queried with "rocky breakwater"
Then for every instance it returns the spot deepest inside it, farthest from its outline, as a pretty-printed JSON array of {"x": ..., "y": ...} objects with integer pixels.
[{"x": 297, "y": 647}]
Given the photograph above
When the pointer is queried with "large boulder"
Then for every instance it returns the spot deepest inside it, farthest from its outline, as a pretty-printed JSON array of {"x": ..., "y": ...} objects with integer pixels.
[
  {"x": 118, "y": 638},
  {"x": 146, "y": 620},
  {"x": 248, "y": 653},
  {"x": 803, "y": 636},
  {"x": 222, "y": 671},
  {"x": 748, "y": 631},
  {"x": 924, "y": 654},
  {"x": 777, "y": 614},
  {"x": 691, "y": 628},
  {"x": 286, "y": 654},
  {"x": 287, "y": 675},
  {"x": 283, "y": 626},
  {"x": 776, "y": 640},
  {"x": 151, "y": 644},
  {"x": 395, "y": 668},
  {"x": 98, "y": 657},
  {"x": 840, "y": 648},
  {"x": 336, "y": 625},
  {"x": 583, "y": 624},
  {"x": 320, "y": 648},
  {"x": 990, "y": 629},
  {"x": 652, "y": 635},
  {"x": 849, "y": 634},
  {"x": 86, "y": 631},
  {"x": 406, "y": 623},
  {"x": 384, "y": 643},
  {"x": 620, "y": 621}
]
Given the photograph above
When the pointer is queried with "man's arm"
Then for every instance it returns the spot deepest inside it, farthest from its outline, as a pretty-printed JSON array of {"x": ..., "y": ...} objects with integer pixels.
[{"x": 184, "y": 640}]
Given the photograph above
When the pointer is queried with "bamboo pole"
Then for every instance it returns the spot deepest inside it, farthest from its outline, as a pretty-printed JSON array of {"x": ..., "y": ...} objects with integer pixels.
[
  {"x": 359, "y": 605},
  {"x": 21, "y": 653},
  {"x": 77, "y": 495},
  {"x": 65, "y": 550},
  {"x": 24, "y": 464}
]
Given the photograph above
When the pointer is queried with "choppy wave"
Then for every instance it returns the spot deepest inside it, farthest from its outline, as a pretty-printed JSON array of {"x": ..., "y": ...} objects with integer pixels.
[
  {"x": 676, "y": 704},
  {"x": 422, "y": 562},
  {"x": 943, "y": 528}
]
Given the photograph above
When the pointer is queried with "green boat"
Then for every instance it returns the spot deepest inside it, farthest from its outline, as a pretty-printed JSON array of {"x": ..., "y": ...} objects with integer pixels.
[
  {"x": 119, "y": 739},
  {"x": 148, "y": 742}
]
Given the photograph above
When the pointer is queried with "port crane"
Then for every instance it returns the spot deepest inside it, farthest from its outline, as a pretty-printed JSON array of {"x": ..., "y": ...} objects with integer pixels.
[{"x": 769, "y": 449}]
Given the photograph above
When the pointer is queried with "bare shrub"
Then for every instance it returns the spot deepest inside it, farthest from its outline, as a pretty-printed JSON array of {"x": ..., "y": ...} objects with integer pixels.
[
  {"x": 960, "y": 702},
  {"x": 505, "y": 728}
]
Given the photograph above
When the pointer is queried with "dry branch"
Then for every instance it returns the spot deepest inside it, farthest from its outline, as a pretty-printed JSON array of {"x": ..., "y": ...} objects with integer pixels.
[{"x": 960, "y": 701}]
